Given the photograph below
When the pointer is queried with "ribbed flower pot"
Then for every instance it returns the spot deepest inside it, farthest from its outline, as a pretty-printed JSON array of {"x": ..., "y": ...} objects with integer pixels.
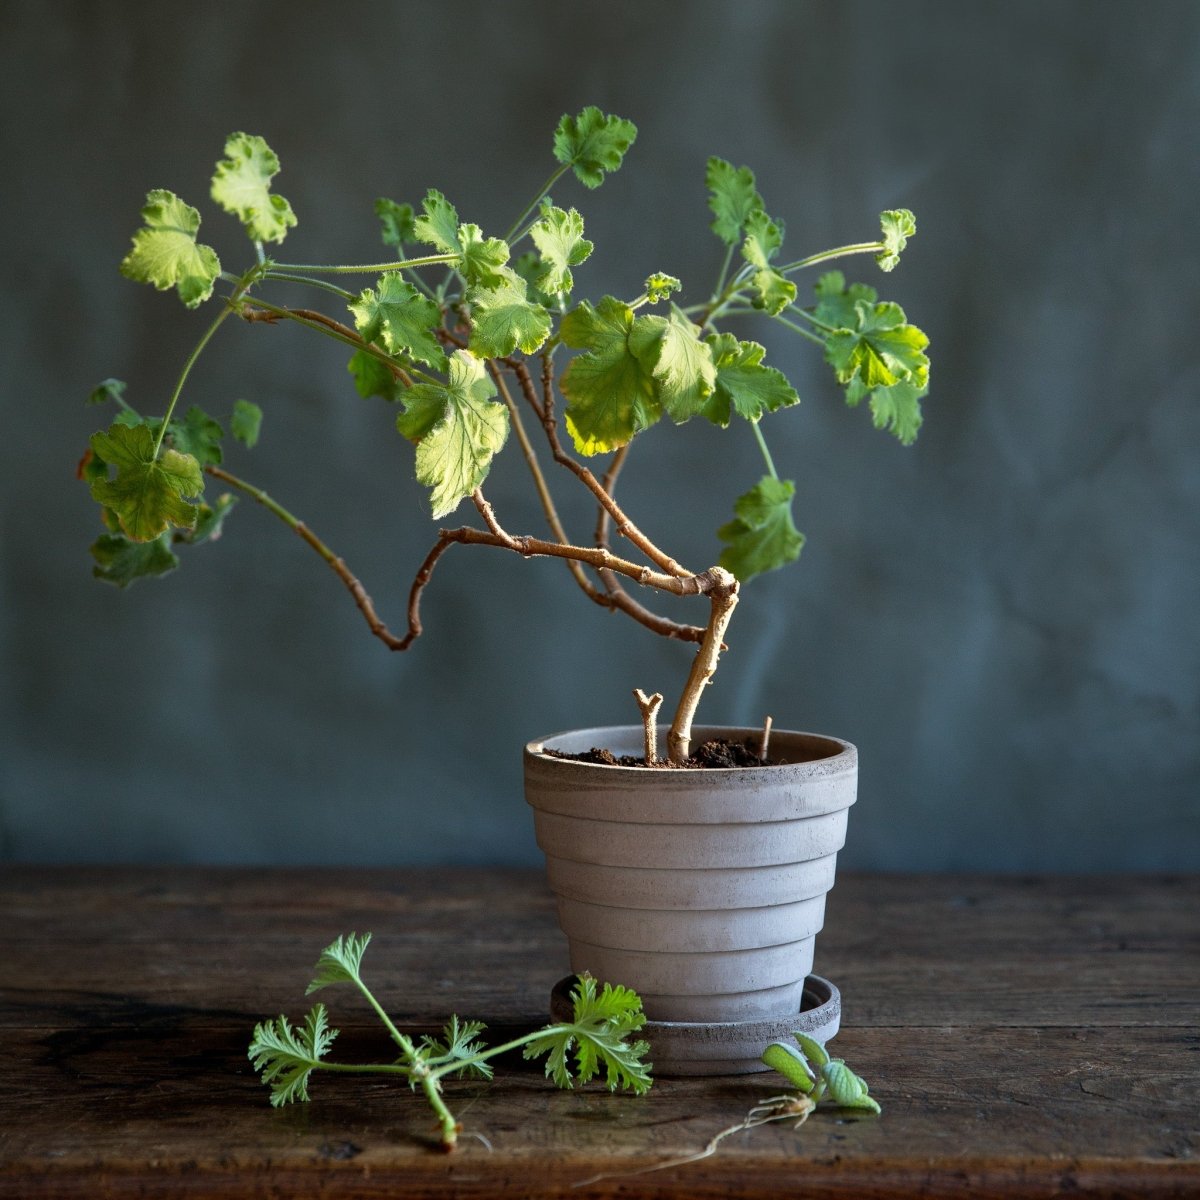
[{"x": 701, "y": 889}]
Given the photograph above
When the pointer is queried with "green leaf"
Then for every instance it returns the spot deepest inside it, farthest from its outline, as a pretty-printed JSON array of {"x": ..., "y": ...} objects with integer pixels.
[
  {"x": 339, "y": 962},
  {"x": 847, "y": 1089},
  {"x": 837, "y": 304},
  {"x": 242, "y": 186},
  {"x": 774, "y": 292},
  {"x": 165, "y": 252},
  {"x": 681, "y": 364},
  {"x": 813, "y": 1050},
  {"x": 483, "y": 259},
  {"x": 246, "y": 423},
  {"x": 593, "y": 144},
  {"x": 559, "y": 238},
  {"x": 400, "y": 318},
  {"x": 372, "y": 377},
  {"x": 732, "y": 197},
  {"x": 612, "y": 393},
  {"x": 458, "y": 1042},
  {"x": 120, "y": 561},
  {"x": 660, "y": 286},
  {"x": 458, "y": 428},
  {"x": 896, "y": 409},
  {"x": 503, "y": 319},
  {"x": 147, "y": 494},
  {"x": 879, "y": 349},
  {"x": 197, "y": 435},
  {"x": 898, "y": 225},
  {"x": 791, "y": 1063},
  {"x": 396, "y": 222},
  {"x": 763, "y": 238},
  {"x": 209, "y": 522},
  {"x": 762, "y": 535},
  {"x": 597, "y": 1034},
  {"x": 744, "y": 386},
  {"x": 438, "y": 223},
  {"x": 106, "y": 390},
  {"x": 286, "y": 1057}
]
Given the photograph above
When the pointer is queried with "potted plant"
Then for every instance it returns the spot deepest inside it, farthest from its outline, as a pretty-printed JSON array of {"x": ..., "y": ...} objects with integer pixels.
[{"x": 696, "y": 876}]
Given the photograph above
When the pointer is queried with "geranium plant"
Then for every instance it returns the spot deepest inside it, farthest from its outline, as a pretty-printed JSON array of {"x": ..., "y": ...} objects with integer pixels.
[{"x": 471, "y": 338}]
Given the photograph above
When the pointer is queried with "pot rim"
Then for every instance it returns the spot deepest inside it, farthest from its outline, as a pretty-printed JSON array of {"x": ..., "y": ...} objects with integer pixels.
[{"x": 841, "y": 749}]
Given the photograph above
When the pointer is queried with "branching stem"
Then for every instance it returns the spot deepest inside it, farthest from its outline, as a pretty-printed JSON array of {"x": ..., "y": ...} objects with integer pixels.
[{"x": 649, "y": 706}]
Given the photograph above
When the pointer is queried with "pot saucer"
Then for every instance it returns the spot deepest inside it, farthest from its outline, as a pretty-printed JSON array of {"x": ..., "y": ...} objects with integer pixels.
[{"x": 725, "y": 1048}]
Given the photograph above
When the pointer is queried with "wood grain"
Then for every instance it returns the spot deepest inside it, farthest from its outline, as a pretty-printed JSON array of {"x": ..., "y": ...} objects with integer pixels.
[{"x": 1026, "y": 1037}]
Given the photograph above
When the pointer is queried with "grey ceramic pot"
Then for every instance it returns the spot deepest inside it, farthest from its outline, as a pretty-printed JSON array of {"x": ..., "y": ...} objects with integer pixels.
[{"x": 703, "y": 890}]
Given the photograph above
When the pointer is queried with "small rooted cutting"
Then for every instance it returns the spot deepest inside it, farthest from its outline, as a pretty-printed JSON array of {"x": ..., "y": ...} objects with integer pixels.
[{"x": 594, "y": 1041}]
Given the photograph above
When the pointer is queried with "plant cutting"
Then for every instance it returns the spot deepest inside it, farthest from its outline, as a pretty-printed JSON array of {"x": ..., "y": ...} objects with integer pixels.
[{"x": 472, "y": 340}]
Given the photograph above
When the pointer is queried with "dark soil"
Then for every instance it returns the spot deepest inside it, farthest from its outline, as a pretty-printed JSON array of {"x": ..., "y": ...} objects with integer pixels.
[{"x": 720, "y": 753}]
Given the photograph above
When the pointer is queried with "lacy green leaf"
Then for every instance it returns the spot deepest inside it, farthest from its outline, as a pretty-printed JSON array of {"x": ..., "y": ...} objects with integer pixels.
[
  {"x": 438, "y": 223},
  {"x": 660, "y": 286},
  {"x": 373, "y": 378},
  {"x": 246, "y": 423},
  {"x": 458, "y": 430},
  {"x": 504, "y": 318},
  {"x": 732, "y": 197},
  {"x": 744, "y": 385},
  {"x": 459, "y": 1041},
  {"x": 242, "y": 186},
  {"x": 593, "y": 144},
  {"x": 762, "y": 536},
  {"x": 612, "y": 393},
  {"x": 395, "y": 221},
  {"x": 400, "y": 318},
  {"x": 898, "y": 225},
  {"x": 147, "y": 494},
  {"x": 197, "y": 435},
  {"x": 879, "y": 349},
  {"x": 165, "y": 252},
  {"x": 559, "y": 238},
  {"x": 121, "y": 562},
  {"x": 597, "y": 1035},
  {"x": 680, "y": 363},
  {"x": 286, "y": 1057},
  {"x": 339, "y": 962}
]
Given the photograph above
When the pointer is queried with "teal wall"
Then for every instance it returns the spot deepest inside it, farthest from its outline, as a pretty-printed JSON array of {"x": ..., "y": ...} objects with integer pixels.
[{"x": 1003, "y": 617}]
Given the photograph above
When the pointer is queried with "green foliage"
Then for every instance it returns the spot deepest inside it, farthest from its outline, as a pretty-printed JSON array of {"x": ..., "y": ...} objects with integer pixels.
[
  {"x": 732, "y": 197},
  {"x": 400, "y": 319},
  {"x": 246, "y": 423},
  {"x": 680, "y": 364},
  {"x": 611, "y": 389},
  {"x": 148, "y": 493},
  {"x": 762, "y": 535},
  {"x": 458, "y": 430},
  {"x": 743, "y": 385},
  {"x": 809, "y": 1068},
  {"x": 107, "y": 390},
  {"x": 597, "y": 1037},
  {"x": 121, "y": 562},
  {"x": 165, "y": 252},
  {"x": 396, "y": 222},
  {"x": 197, "y": 436},
  {"x": 241, "y": 185},
  {"x": 372, "y": 377},
  {"x": 898, "y": 225},
  {"x": 593, "y": 144},
  {"x": 286, "y": 1057},
  {"x": 504, "y": 319},
  {"x": 559, "y": 238},
  {"x": 660, "y": 286}
]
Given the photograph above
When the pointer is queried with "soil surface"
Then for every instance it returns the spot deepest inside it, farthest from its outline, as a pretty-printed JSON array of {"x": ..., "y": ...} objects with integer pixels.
[{"x": 719, "y": 753}]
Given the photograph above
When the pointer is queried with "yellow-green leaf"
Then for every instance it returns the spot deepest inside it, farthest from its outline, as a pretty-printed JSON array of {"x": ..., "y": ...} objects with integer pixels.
[
  {"x": 241, "y": 185},
  {"x": 165, "y": 252}
]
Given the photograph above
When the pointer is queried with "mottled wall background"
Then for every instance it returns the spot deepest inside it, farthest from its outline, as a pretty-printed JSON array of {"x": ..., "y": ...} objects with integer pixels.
[{"x": 1004, "y": 617}]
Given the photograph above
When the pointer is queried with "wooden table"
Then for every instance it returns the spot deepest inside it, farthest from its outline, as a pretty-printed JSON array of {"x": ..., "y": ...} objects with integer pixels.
[{"x": 1025, "y": 1036}]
